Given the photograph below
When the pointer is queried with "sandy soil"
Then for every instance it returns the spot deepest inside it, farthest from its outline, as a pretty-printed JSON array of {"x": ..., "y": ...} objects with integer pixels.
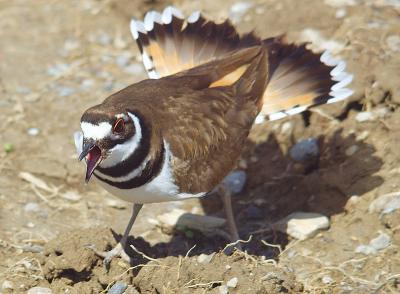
[{"x": 60, "y": 57}]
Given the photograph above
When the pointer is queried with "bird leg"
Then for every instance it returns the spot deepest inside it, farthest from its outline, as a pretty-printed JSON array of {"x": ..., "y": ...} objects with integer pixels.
[
  {"x": 119, "y": 249},
  {"x": 227, "y": 202}
]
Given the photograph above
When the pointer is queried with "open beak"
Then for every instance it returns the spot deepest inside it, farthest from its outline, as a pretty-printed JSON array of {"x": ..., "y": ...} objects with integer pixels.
[{"x": 93, "y": 157}]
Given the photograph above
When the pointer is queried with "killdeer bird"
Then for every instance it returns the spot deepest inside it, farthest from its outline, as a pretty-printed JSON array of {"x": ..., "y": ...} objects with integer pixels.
[{"x": 177, "y": 134}]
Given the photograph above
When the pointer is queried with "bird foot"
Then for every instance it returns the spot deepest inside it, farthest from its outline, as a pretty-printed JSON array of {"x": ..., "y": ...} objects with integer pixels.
[{"x": 117, "y": 251}]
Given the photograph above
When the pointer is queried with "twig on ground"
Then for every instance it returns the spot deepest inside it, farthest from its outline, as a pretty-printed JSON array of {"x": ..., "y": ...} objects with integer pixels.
[
  {"x": 237, "y": 242},
  {"x": 190, "y": 250},
  {"x": 143, "y": 255}
]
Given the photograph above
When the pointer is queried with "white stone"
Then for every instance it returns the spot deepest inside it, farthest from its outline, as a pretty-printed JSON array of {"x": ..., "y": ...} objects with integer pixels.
[
  {"x": 33, "y": 131},
  {"x": 39, "y": 290},
  {"x": 302, "y": 225},
  {"x": 7, "y": 285},
  {"x": 205, "y": 258},
  {"x": 223, "y": 289},
  {"x": 340, "y": 13},
  {"x": 386, "y": 203},
  {"x": 327, "y": 280},
  {"x": 365, "y": 116},
  {"x": 232, "y": 283}
]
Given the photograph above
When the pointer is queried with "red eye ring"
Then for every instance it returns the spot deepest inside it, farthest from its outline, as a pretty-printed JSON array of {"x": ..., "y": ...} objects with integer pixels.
[{"x": 119, "y": 126}]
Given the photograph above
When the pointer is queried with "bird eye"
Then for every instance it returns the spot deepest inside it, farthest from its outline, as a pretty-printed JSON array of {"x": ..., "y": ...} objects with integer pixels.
[{"x": 119, "y": 126}]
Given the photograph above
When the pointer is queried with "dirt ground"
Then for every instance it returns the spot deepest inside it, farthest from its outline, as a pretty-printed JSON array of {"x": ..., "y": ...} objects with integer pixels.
[{"x": 57, "y": 58}]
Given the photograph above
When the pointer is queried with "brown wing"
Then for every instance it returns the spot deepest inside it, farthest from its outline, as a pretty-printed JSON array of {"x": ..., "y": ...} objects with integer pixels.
[{"x": 206, "y": 125}]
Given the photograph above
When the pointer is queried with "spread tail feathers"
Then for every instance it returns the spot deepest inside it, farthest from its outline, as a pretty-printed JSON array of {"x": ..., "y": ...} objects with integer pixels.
[{"x": 298, "y": 78}]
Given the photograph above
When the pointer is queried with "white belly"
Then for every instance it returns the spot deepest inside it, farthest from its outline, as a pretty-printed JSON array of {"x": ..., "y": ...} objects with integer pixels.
[{"x": 151, "y": 192}]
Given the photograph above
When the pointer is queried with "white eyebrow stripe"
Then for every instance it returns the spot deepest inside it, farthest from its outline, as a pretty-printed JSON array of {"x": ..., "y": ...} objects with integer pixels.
[{"x": 96, "y": 132}]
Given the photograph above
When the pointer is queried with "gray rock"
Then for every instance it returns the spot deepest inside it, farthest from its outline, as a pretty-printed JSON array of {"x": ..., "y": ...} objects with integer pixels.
[
  {"x": 39, "y": 290},
  {"x": 235, "y": 181},
  {"x": 232, "y": 283},
  {"x": 386, "y": 203},
  {"x": 32, "y": 248},
  {"x": 365, "y": 249},
  {"x": 380, "y": 242},
  {"x": 305, "y": 150},
  {"x": 302, "y": 225},
  {"x": 118, "y": 288}
]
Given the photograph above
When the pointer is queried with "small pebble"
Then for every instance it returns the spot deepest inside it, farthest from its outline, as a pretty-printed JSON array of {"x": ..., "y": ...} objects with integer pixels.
[
  {"x": 33, "y": 248},
  {"x": 232, "y": 283},
  {"x": 228, "y": 267},
  {"x": 87, "y": 84},
  {"x": 30, "y": 225},
  {"x": 31, "y": 207},
  {"x": 302, "y": 225},
  {"x": 118, "y": 288},
  {"x": 351, "y": 150},
  {"x": 33, "y": 131},
  {"x": 365, "y": 249},
  {"x": 327, "y": 280},
  {"x": 305, "y": 150},
  {"x": 7, "y": 285},
  {"x": 380, "y": 242},
  {"x": 365, "y": 116},
  {"x": 205, "y": 258},
  {"x": 340, "y": 13},
  {"x": 39, "y": 290},
  {"x": 235, "y": 181},
  {"x": 223, "y": 289},
  {"x": 386, "y": 203}
]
